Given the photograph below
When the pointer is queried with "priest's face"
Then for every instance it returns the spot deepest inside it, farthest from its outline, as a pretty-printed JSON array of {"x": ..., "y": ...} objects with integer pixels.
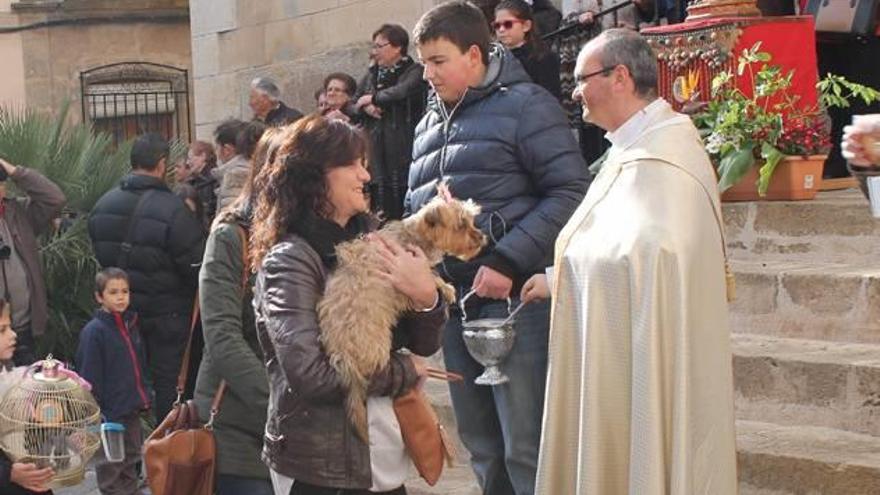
[{"x": 593, "y": 86}]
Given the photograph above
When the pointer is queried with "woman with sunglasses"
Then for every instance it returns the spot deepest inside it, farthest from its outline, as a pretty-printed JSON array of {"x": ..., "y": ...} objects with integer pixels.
[{"x": 515, "y": 28}]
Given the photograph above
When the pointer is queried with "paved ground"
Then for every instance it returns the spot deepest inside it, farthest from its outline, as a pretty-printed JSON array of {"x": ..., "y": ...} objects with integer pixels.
[{"x": 457, "y": 480}]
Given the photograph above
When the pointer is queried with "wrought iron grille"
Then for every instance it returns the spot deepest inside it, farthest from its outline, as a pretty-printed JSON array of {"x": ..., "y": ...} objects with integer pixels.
[{"x": 132, "y": 98}]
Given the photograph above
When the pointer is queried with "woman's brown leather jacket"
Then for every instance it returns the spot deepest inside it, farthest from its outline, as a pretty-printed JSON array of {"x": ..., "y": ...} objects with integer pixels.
[{"x": 308, "y": 434}]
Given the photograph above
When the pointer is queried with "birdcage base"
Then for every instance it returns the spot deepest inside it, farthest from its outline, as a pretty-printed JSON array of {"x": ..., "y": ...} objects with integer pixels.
[{"x": 68, "y": 479}]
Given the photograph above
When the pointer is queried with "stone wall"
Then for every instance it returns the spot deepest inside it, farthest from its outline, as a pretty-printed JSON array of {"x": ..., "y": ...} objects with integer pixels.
[
  {"x": 82, "y": 35},
  {"x": 297, "y": 42}
]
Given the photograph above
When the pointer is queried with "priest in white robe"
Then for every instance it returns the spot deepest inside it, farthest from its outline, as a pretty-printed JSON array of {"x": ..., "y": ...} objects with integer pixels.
[{"x": 640, "y": 388}]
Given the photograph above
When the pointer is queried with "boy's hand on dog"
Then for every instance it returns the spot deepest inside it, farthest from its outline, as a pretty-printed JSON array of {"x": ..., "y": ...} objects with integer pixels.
[
  {"x": 407, "y": 270},
  {"x": 491, "y": 284}
]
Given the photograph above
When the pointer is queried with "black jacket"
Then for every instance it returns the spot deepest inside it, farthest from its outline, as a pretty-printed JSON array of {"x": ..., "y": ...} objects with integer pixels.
[
  {"x": 400, "y": 93},
  {"x": 111, "y": 357},
  {"x": 166, "y": 249},
  {"x": 506, "y": 145},
  {"x": 282, "y": 115},
  {"x": 542, "y": 68}
]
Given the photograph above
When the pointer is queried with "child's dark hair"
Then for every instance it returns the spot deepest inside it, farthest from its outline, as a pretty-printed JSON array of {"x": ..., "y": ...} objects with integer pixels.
[
  {"x": 462, "y": 23},
  {"x": 523, "y": 11},
  {"x": 108, "y": 274}
]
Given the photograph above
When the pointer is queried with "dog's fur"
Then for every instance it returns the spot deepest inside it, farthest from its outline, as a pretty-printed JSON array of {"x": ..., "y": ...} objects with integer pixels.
[{"x": 359, "y": 309}]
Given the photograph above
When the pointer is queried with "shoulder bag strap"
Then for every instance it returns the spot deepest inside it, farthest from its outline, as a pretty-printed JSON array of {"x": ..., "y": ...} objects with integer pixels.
[
  {"x": 125, "y": 248},
  {"x": 221, "y": 389}
]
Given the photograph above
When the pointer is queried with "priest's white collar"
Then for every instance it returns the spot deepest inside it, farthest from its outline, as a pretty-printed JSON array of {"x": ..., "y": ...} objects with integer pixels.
[{"x": 627, "y": 134}]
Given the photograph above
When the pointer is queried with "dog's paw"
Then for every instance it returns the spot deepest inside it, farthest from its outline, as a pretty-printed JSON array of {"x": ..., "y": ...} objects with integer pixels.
[{"x": 448, "y": 293}]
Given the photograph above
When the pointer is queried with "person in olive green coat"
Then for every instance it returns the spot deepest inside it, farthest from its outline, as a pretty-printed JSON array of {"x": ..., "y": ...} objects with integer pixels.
[{"x": 232, "y": 352}]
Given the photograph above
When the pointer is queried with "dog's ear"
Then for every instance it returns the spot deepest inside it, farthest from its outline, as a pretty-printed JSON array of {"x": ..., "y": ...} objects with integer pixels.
[
  {"x": 432, "y": 217},
  {"x": 444, "y": 192}
]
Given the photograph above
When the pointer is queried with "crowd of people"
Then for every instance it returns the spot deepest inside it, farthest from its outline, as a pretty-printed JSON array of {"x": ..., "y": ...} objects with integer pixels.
[{"x": 620, "y": 376}]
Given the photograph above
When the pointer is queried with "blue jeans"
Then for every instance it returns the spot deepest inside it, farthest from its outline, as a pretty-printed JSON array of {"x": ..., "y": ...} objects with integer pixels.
[
  {"x": 239, "y": 485},
  {"x": 501, "y": 425}
]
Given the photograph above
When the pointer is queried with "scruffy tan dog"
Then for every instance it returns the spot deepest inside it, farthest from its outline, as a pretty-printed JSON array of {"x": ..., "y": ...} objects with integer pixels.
[{"x": 359, "y": 309}]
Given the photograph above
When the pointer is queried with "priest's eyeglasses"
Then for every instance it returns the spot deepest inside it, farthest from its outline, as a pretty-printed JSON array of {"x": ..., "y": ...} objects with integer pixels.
[{"x": 583, "y": 78}]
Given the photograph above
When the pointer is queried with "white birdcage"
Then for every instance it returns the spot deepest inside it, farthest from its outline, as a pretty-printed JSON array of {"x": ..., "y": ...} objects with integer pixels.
[{"x": 50, "y": 419}]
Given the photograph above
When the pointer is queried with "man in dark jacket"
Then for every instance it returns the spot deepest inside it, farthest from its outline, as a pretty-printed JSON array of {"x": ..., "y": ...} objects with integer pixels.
[
  {"x": 21, "y": 221},
  {"x": 503, "y": 141},
  {"x": 145, "y": 229},
  {"x": 265, "y": 101}
]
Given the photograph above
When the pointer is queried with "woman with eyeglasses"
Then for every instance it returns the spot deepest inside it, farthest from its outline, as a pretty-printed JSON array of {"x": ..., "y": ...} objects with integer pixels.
[
  {"x": 392, "y": 101},
  {"x": 339, "y": 91},
  {"x": 515, "y": 28}
]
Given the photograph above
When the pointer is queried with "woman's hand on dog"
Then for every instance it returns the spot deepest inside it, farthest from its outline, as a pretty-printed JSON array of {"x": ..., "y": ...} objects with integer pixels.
[{"x": 407, "y": 270}]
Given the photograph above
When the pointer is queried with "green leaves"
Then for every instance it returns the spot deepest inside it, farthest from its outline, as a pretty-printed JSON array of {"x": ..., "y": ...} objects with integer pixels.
[
  {"x": 772, "y": 156},
  {"x": 752, "y": 111},
  {"x": 734, "y": 166},
  {"x": 836, "y": 91}
]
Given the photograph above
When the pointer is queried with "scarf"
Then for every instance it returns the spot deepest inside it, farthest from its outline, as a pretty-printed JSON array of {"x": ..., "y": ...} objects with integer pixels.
[
  {"x": 324, "y": 235},
  {"x": 388, "y": 76}
]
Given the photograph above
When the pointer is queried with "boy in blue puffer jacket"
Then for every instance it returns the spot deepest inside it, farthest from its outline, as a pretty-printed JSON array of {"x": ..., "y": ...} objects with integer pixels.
[{"x": 111, "y": 357}]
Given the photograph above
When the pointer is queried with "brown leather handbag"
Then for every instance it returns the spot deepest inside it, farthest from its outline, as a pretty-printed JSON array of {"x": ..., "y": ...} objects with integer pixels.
[
  {"x": 180, "y": 454},
  {"x": 423, "y": 435}
]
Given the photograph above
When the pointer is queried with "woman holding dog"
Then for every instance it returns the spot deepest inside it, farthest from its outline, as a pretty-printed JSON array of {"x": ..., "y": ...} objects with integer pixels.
[{"x": 310, "y": 199}]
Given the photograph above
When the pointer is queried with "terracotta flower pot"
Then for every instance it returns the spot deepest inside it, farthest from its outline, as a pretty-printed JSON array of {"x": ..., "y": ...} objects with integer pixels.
[{"x": 795, "y": 178}]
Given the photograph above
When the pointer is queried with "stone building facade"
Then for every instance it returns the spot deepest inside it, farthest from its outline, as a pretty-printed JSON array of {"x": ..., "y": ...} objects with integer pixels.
[
  {"x": 296, "y": 42},
  {"x": 133, "y": 56}
]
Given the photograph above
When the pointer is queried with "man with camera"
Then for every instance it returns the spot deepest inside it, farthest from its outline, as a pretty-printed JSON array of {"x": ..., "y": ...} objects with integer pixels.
[{"x": 21, "y": 275}]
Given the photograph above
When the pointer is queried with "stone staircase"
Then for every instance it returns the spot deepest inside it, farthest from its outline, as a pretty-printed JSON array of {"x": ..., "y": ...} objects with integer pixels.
[{"x": 806, "y": 345}]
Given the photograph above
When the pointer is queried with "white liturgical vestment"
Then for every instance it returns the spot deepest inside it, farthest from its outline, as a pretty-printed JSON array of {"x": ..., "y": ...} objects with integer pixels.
[{"x": 639, "y": 390}]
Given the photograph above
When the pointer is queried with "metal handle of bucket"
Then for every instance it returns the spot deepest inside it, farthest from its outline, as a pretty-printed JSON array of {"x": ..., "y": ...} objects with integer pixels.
[{"x": 467, "y": 296}]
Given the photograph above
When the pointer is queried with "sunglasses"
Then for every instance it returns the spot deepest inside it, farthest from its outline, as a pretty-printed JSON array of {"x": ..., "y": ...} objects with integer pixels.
[{"x": 507, "y": 25}]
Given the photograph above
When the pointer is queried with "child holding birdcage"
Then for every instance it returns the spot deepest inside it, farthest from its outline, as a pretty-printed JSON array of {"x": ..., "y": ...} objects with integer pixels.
[
  {"x": 16, "y": 478},
  {"x": 111, "y": 357}
]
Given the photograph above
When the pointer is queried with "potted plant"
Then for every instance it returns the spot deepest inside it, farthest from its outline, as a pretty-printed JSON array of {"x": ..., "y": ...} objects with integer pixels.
[{"x": 762, "y": 142}]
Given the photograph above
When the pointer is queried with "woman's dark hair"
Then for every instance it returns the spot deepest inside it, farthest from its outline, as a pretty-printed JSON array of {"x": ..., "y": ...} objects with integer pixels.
[
  {"x": 396, "y": 35},
  {"x": 350, "y": 84},
  {"x": 248, "y": 137},
  {"x": 523, "y": 11},
  {"x": 294, "y": 183},
  {"x": 207, "y": 149},
  {"x": 227, "y": 131}
]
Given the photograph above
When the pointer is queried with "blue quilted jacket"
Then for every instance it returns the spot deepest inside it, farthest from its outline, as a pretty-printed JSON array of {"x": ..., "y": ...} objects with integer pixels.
[{"x": 506, "y": 145}]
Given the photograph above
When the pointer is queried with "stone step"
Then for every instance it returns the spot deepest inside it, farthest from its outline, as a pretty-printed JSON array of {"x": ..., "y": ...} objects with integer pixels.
[
  {"x": 807, "y": 382},
  {"x": 804, "y": 460},
  {"x": 836, "y": 226},
  {"x": 809, "y": 300}
]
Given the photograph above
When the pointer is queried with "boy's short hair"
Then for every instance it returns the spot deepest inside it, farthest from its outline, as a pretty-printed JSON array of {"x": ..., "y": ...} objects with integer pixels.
[
  {"x": 462, "y": 23},
  {"x": 108, "y": 274}
]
